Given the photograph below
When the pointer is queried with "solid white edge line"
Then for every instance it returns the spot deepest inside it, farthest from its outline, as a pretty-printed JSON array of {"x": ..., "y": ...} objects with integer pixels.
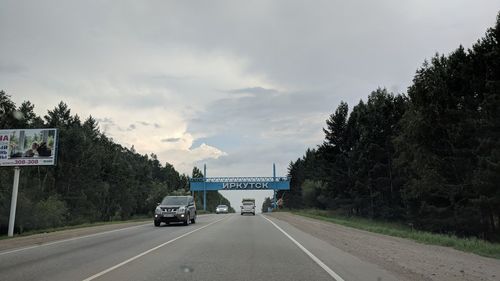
[
  {"x": 69, "y": 239},
  {"x": 311, "y": 255},
  {"x": 148, "y": 251}
]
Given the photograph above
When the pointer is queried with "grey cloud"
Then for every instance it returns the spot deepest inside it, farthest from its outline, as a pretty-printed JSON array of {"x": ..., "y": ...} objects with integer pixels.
[
  {"x": 253, "y": 90},
  {"x": 255, "y": 160},
  {"x": 105, "y": 120},
  {"x": 263, "y": 129},
  {"x": 320, "y": 44},
  {"x": 154, "y": 125},
  {"x": 131, "y": 101},
  {"x": 7, "y": 68},
  {"x": 171, "y": 140},
  {"x": 319, "y": 54},
  {"x": 106, "y": 124},
  {"x": 260, "y": 112}
]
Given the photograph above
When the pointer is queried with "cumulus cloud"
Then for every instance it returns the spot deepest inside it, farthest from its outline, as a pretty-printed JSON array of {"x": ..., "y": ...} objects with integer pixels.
[{"x": 186, "y": 159}]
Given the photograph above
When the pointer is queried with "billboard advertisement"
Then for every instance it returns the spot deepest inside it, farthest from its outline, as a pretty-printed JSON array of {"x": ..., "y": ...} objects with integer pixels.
[{"x": 28, "y": 147}]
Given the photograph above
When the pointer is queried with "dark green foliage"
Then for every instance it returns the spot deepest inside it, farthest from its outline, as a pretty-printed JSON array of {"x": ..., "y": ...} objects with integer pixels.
[
  {"x": 431, "y": 158},
  {"x": 266, "y": 204},
  {"x": 95, "y": 178}
]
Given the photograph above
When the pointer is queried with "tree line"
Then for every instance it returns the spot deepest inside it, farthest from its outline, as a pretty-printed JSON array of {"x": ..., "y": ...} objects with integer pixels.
[
  {"x": 95, "y": 179},
  {"x": 266, "y": 204},
  {"x": 429, "y": 157}
]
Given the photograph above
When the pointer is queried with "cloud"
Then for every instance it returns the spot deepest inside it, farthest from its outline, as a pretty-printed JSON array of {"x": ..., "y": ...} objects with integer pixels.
[
  {"x": 186, "y": 159},
  {"x": 267, "y": 114},
  {"x": 253, "y": 90},
  {"x": 241, "y": 85},
  {"x": 171, "y": 140},
  {"x": 106, "y": 124},
  {"x": 8, "y": 68},
  {"x": 105, "y": 120}
]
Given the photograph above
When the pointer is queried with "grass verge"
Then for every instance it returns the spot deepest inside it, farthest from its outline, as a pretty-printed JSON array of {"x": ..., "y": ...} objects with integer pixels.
[
  {"x": 471, "y": 245},
  {"x": 68, "y": 227}
]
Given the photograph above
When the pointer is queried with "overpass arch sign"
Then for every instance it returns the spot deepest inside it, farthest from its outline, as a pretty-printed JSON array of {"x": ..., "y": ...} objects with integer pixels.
[{"x": 239, "y": 183}]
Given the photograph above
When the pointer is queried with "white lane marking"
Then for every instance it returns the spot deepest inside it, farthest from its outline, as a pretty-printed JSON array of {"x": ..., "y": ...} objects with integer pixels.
[
  {"x": 148, "y": 251},
  {"x": 311, "y": 255},
  {"x": 70, "y": 239}
]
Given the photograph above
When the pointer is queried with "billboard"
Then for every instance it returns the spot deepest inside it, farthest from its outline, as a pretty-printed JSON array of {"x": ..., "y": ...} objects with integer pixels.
[{"x": 28, "y": 147}]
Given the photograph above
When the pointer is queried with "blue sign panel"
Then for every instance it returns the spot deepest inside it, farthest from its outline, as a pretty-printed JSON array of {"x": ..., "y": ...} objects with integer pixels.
[{"x": 257, "y": 183}]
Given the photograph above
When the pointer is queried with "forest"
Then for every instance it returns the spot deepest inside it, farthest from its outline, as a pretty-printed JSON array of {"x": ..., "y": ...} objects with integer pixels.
[
  {"x": 429, "y": 158},
  {"x": 95, "y": 179}
]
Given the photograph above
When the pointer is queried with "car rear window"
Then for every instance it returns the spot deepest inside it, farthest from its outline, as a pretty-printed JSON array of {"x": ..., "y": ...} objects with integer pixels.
[{"x": 175, "y": 200}]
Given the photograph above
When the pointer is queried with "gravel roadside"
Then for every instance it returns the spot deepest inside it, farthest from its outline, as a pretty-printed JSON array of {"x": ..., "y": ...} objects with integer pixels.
[
  {"x": 408, "y": 259},
  {"x": 43, "y": 238}
]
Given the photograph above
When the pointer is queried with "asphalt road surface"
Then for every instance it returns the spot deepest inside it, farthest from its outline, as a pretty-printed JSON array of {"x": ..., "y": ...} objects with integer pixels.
[{"x": 217, "y": 247}]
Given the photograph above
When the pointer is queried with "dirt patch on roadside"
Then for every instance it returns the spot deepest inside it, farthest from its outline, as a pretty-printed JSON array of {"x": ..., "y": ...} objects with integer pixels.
[
  {"x": 407, "y": 259},
  {"x": 42, "y": 238}
]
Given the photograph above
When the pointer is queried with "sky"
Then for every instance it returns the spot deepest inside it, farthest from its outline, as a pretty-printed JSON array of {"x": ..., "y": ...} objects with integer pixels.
[{"x": 235, "y": 85}]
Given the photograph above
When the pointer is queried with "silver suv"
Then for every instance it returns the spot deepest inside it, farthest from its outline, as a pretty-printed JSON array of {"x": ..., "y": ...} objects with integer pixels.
[{"x": 175, "y": 209}]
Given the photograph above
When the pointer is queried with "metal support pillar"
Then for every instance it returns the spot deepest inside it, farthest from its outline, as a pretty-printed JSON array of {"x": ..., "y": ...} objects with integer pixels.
[
  {"x": 204, "y": 187},
  {"x": 13, "y": 202},
  {"x": 274, "y": 190}
]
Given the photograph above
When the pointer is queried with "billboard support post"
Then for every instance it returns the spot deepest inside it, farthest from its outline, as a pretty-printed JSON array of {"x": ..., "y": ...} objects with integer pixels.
[
  {"x": 26, "y": 147},
  {"x": 13, "y": 202}
]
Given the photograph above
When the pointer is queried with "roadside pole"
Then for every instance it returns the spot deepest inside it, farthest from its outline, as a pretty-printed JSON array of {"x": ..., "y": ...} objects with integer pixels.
[
  {"x": 13, "y": 202},
  {"x": 274, "y": 189},
  {"x": 204, "y": 187}
]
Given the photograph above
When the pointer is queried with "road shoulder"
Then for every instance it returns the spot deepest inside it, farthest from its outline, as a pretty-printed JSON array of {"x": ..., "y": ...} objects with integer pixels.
[
  {"x": 406, "y": 258},
  {"x": 50, "y": 237}
]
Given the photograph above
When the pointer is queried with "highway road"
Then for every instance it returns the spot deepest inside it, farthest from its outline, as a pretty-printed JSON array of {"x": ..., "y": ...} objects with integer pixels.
[{"x": 217, "y": 247}]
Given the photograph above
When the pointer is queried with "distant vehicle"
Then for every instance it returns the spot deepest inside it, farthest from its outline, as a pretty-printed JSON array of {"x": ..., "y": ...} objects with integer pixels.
[
  {"x": 248, "y": 200},
  {"x": 175, "y": 209},
  {"x": 248, "y": 206},
  {"x": 222, "y": 209}
]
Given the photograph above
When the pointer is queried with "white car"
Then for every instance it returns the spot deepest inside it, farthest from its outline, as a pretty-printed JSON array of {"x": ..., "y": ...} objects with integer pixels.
[{"x": 222, "y": 209}]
